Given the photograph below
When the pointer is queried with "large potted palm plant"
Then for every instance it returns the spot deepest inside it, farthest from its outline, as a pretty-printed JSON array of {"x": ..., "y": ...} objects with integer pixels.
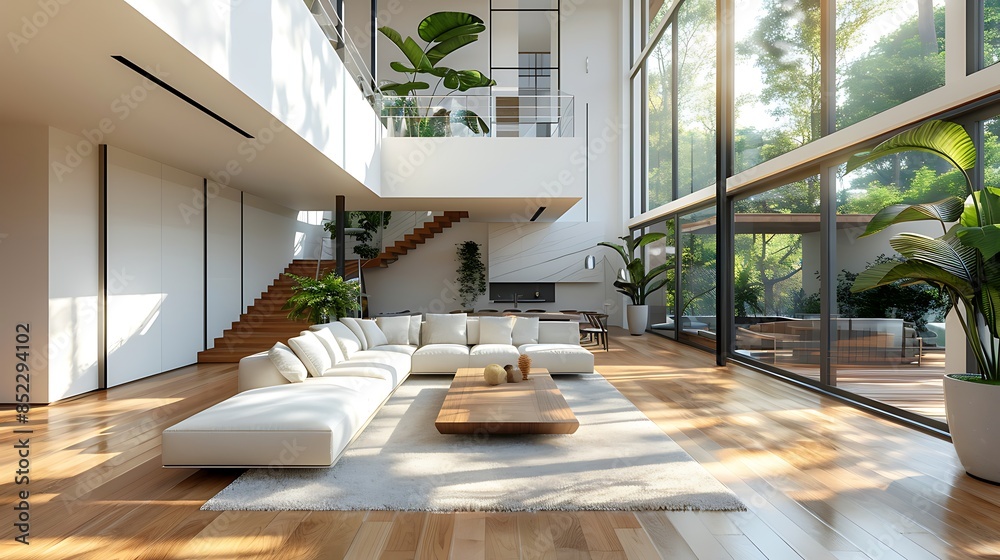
[
  {"x": 634, "y": 281},
  {"x": 963, "y": 263}
]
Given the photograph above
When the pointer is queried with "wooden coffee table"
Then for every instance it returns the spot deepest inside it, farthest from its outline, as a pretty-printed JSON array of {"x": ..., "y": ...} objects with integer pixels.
[{"x": 534, "y": 406}]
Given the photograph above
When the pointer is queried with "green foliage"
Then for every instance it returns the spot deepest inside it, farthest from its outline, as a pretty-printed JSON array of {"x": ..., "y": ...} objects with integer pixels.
[
  {"x": 371, "y": 221},
  {"x": 963, "y": 261},
  {"x": 444, "y": 33},
  {"x": 633, "y": 280},
  {"x": 319, "y": 301},
  {"x": 805, "y": 304},
  {"x": 471, "y": 273},
  {"x": 909, "y": 302},
  {"x": 747, "y": 292}
]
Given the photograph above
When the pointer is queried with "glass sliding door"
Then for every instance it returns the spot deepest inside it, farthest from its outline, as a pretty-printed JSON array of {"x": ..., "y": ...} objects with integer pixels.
[
  {"x": 889, "y": 342},
  {"x": 662, "y": 301},
  {"x": 776, "y": 277},
  {"x": 697, "y": 320}
]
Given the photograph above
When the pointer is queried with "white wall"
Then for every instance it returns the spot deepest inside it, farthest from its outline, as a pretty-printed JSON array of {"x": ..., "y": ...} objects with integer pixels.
[
  {"x": 73, "y": 237},
  {"x": 268, "y": 244},
  {"x": 24, "y": 231},
  {"x": 529, "y": 168},
  {"x": 155, "y": 323},
  {"x": 277, "y": 54},
  {"x": 424, "y": 279},
  {"x": 223, "y": 275}
]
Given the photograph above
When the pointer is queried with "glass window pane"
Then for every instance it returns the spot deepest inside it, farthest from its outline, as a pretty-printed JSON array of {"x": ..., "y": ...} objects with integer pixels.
[
  {"x": 697, "y": 298},
  {"x": 887, "y": 53},
  {"x": 696, "y": 95},
  {"x": 991, "y": 32},
  {"x": 656, "y": 11},
  {"x": 776, "y": 277},
  {"x": 659, "y": 124},
  {"x": 514, "y": 33},
  {"x": 661, "y": 301},
  {"x": 777, "y": 79},
  {"x": 889, "y": 342}
]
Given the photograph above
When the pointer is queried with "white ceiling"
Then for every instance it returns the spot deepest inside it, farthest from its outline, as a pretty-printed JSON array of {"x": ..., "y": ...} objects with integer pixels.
[{"x": 64, "y": 77}]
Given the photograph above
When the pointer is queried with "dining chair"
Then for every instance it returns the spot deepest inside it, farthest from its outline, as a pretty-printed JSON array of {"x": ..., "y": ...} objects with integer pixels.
[{"x": 598, "y": 328}]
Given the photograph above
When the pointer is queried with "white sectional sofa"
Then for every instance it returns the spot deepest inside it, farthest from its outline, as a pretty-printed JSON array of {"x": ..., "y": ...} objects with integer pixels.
[{"x": 301, "y": 405}]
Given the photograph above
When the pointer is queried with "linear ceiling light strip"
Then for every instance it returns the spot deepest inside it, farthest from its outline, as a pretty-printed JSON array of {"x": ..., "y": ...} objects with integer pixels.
[{"x": 139, "y": 70}]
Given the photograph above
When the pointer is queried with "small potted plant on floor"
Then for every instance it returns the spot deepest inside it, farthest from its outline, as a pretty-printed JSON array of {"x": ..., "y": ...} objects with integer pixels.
[
  {"x": 963, "y": 262},
  {"x": 323, "y": 300},
  {"x": 634, "y": 281}
]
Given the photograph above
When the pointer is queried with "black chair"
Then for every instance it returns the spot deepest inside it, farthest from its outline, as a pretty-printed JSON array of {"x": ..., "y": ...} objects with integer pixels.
[{"x": 598, "y": 328}]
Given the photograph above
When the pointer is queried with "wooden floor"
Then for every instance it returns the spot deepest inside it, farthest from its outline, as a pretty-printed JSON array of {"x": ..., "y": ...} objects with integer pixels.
[{"x": 822, "y": 481}]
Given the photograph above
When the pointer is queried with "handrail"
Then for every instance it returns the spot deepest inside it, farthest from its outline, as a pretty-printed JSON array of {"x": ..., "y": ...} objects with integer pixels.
[
  {"x": 517, "y": 115},
  {"x": 334, "y": 29}
]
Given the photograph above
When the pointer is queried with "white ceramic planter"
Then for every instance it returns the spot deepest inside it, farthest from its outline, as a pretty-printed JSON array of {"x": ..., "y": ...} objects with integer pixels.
[
  {"x": 638, "y": 319},
  {"x": 972, "y": 411}
]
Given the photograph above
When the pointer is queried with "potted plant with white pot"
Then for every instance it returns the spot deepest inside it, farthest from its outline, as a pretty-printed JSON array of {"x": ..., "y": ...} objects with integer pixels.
[
  {"x": 634, "y": 281},
  {"x": 963, "y": 262}
]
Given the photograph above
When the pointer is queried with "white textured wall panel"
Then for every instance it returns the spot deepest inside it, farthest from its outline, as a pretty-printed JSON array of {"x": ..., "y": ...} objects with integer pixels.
[
  {"x": 134, "y": 265},
  {"x": 183, "y": 275},
  {"x": 544, "y": 252}
]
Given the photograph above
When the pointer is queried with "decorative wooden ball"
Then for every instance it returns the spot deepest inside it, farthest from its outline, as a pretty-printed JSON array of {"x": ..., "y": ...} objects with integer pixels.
[
  {"x": 512, "y": 375},
  {"x": 524, "y": 364},
  {"x": 494, "y": 374}
]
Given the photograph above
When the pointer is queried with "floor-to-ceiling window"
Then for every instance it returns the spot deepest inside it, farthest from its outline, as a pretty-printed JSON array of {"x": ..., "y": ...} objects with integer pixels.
[
  {"x": 809, "y": 88},
  {"x": 662, "y": 302},
  {"x": 777, "y": 84},
  {"x": 888, "y": 52}
]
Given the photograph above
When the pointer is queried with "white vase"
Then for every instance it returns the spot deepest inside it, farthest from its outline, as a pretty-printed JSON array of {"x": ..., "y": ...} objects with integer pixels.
[
  {"x": 638, "y": 319},
  {"x": 971, "y": 408}
]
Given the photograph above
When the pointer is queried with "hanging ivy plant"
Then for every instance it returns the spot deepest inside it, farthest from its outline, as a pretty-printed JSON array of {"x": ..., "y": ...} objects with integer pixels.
[{"x": 471, "y": 273}]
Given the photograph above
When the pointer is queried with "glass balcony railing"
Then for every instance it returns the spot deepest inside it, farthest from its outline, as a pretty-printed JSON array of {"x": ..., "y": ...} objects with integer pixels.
[
  {"x": 331, "y": 24},
  {"x": 500, "y": 115}
]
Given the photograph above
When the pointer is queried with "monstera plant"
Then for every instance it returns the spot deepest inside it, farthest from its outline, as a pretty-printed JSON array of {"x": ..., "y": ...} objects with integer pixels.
[
  {"x": 443, "y": 33},
  {"x": 963, "y": 262}
]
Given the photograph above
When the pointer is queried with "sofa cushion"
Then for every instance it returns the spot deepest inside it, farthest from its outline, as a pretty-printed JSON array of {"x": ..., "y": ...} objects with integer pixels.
[
  {"x": 445, "y": 329},
  {"x": 374, "y": 371},
  {"x": 397, "y": 363},
  {"x": 401, "y": 348},
  {"x": 375, "y": 383},
  {"x": 415, "y": 322},
  {"x": 440, "y": 358},
  {"x": 287, "y": 363},
  {"x": 325, "y": 336},
  {"x": 525, "y": 331},
  {"x": 310, "y": 349},
  {"x": 346, "y": 338},
  {"x": 373, "y": 334},
  {"x": 352, "y": 323},
  {"x": 559, "y": 332},
  {"x": 281, "y": 426},
  {"x": 495, "y": 330},
  {"x": 559, "y": 358},
  {"x": 396, "y": 329},
  {"x": 483, "y": 355},
  {"x": 472, "y": 331}
]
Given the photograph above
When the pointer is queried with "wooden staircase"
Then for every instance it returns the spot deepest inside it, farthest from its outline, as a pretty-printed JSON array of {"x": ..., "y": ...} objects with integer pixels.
[
  {"x": 418, "y": 236},
  {"x": 265, "y": 322}
]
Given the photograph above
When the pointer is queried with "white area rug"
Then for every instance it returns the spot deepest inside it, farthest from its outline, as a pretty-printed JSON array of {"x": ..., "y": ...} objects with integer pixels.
[{"x": 617, "y": 460}]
